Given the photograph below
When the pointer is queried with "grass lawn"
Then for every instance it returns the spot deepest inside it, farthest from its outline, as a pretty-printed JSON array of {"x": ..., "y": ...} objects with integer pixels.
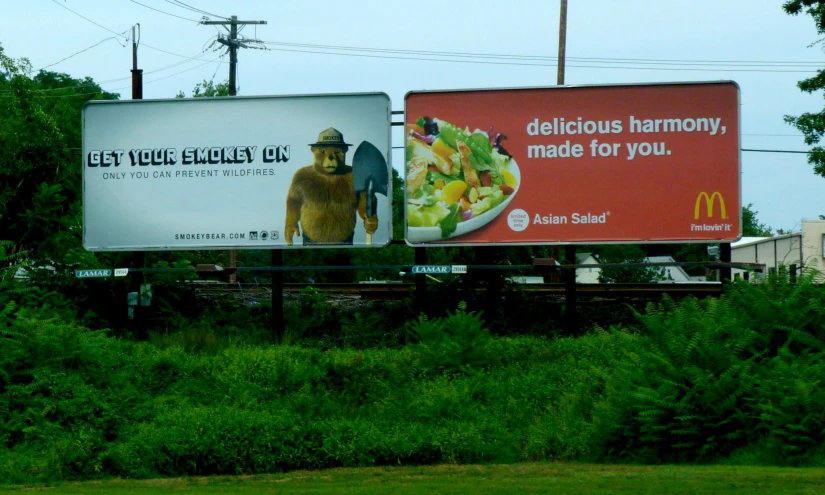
[{"x": 566, "y": 478}]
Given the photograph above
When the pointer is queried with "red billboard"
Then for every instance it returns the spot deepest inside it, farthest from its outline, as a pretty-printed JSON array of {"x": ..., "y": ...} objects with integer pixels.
[{"x": 635, "y": 163}]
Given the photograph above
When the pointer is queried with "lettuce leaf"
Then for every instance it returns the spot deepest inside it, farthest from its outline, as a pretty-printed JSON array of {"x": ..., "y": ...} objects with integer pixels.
[{"x": 449, "y": 223}]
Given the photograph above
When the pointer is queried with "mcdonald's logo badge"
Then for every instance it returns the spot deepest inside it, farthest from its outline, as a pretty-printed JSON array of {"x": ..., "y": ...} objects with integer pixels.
[{"x": 709, "y": 202}]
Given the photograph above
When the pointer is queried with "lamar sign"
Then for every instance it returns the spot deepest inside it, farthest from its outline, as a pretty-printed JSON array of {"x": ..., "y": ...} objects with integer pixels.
[{"x": 628, "y": 163}]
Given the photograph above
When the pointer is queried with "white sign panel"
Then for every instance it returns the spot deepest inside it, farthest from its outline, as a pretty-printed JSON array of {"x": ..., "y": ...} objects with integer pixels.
[{"x": 270, "y": 172}]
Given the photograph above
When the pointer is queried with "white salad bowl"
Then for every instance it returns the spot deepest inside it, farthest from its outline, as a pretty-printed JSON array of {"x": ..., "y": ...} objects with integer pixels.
[{"x": 430, "y": 234}]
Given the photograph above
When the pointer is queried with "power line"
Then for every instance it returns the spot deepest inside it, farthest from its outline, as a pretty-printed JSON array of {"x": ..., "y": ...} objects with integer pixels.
[
  {"x": 483, "y": 62},
  {"x": 74, "y": 95},
  {"x": 170, "y": 53},
  {"x": 774, "y": 135},
  {"x": 218, "y": 67},
  {"x": 745, "y": 63},
  {"x": 232, "y": 43},
  {"x": 120, "y": 34},
  {"x": 778, "y": 151},
  {"x": 145, "y": 82},
  {"x": 93, "y": 22},
  {"x": 163, "y": 12},
  {"x": 109, "y": 81},
  {"x": 216, "y": 59},
  {"x": 194, "y": 9},
  {"x": 78, "y": 53}
]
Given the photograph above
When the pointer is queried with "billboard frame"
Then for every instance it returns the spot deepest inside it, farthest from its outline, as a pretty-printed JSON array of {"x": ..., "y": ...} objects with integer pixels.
[
  {"x": 577, "y": 86},
  {"x": 229, "y": 99}
]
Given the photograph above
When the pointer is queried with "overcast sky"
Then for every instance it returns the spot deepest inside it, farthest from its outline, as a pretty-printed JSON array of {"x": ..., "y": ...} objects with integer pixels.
[{"x": 407, "y": 46}]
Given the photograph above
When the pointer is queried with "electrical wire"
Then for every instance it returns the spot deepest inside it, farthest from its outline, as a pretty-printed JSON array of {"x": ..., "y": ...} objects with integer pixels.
[
  {"x": 170, "y": 53},
  {"x": 144, "y": 82},
  {"x": 122, "y": 35},
  {"x": 777, "y": 151},
  {"x": 775, "y": 135},
  {"x": 93, "y": 22},
  {"x": 458, "y": 54},
  {"x": 216, "y": 69},
  {"x": 483, "y": 62},
  {"x": 74, "y": 95},
  {"x": 194, "y": 9},
  {"x": 164, "y": 12},
  {"x": 109, "y": 81},
  {"x": 78, "y": 53},
  {"x": 217, "y": 59},
  {"x": 745, "y": 63}
]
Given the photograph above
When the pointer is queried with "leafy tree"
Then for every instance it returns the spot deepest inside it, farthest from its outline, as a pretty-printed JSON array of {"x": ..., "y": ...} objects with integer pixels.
[
  {"x": 627, "y": 253},
  {"x": 812, "y": 125},
  {"x": 208, "y": 89},
  {"x": 750, "y": 224},
  {"x": 41, "y": 186},
  {"x": 40, "y": 136}
]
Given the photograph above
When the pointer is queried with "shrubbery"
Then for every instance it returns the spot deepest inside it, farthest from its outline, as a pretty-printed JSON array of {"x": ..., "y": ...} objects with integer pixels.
[
  {"x": 695, "y": 381},
  {"x": 701, "y": 381}
]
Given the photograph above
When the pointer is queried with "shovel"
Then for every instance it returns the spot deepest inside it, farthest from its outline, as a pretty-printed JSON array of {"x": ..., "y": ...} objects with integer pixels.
[{"x": 370, "y": 175}]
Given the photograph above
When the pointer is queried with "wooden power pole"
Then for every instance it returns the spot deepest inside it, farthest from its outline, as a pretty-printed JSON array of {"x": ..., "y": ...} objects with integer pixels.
[
  {"x": 138, "y": 257},
  {"x": 569, "y": 251},
  {"x": 232, "y": 44}
]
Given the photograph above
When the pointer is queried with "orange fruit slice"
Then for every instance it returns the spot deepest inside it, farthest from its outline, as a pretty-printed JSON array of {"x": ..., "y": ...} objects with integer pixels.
[{"x": 453, "y": 191}]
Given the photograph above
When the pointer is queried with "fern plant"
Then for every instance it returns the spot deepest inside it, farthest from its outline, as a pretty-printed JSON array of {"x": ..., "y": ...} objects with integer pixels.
[
  {"x": 690, "y": 397},
  {"x": 784, "y": 314},
  {"x": 454, "y": 343},
  {"x": 792, "y": 405},
  {"x": 10, "y": 264}
]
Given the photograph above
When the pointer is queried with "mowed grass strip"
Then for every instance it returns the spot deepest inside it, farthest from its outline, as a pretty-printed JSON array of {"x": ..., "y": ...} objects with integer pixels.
[{"x": 567, "y": 478}]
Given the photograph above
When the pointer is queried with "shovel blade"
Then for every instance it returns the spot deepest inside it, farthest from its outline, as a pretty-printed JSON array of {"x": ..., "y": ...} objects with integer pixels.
[{"x": 369, "y": 166}]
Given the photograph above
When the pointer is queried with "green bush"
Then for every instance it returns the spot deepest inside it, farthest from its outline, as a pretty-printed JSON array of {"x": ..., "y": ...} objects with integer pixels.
[
  {"x": 702, "y": 380},
  {"x": 694, "y": 381},
  {"x": 455, "y": 342}
]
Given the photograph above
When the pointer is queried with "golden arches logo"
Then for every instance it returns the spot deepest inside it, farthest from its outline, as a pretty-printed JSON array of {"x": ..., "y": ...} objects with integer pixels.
[{"x": 709, "y": 201}]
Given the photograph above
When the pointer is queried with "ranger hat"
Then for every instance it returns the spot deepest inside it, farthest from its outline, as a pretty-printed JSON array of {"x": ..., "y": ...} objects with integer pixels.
[{"x": 330, "y": 137}]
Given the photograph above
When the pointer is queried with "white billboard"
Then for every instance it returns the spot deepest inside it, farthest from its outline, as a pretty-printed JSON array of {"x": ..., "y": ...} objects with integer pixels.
[{"x": 267, "y": 172}]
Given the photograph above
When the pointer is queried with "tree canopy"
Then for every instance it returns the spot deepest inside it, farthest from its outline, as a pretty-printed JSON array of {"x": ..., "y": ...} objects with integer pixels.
[
  {"x": 750, "y": 224},
  {"x": 811, "y": 124},
  {"x": 40, "y": 141}
]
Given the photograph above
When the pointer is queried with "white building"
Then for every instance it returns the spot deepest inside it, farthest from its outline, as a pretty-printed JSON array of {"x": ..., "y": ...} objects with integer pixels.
[
  {"x": 590, "y": 274},
  {"x": 799, "y": 250},
  {"x": 673, "y": 274},
  {"x": 584, "y": 275}
]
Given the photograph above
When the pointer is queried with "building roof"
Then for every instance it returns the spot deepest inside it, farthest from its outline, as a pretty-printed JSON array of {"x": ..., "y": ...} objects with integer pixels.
[
  {"x": 580, "y": 257},
  {"x": 745, "y": 241},
  {"x": 677, "y": 273}
]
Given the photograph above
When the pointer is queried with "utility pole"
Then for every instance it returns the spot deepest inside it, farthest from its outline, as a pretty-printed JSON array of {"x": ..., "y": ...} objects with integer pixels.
[
  {"x": 560, "y": 81},
  {"x": 233, "y": 44},
  {"x": 570, "y": 250},
  {"x": 562, "y": 40},
  {"x": 138, "y": 257},
  {"x": 137, "y": 74}
]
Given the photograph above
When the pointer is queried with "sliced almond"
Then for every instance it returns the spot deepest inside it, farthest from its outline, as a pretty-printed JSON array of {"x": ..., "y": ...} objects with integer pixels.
[{"x": 473, "y": 195}]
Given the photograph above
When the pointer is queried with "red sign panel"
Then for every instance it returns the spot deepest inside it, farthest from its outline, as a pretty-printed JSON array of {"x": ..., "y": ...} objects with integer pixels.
[{"x": 580, "y": 165}]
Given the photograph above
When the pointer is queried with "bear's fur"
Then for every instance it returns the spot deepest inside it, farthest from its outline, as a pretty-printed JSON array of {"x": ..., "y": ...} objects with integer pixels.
[{"x": 322, "y": 199}]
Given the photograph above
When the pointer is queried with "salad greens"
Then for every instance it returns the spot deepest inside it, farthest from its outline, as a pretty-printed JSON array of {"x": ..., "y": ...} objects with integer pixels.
[{"x": 453, "y": 174}]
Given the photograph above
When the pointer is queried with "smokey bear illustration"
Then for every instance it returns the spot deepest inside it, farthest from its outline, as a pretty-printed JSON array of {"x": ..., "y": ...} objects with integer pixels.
[{"x": 322, "y": 200}]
